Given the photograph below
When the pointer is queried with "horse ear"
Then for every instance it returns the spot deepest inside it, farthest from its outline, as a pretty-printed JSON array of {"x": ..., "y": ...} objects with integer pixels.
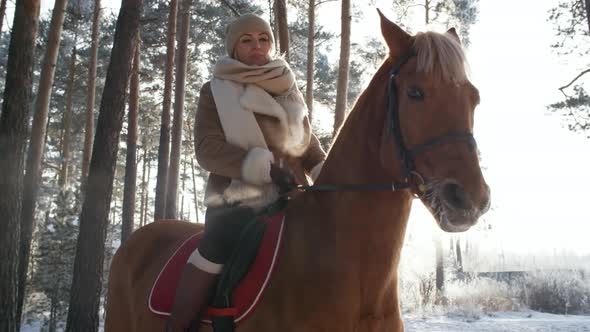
[
  {"x": 396, "y": 38},
  {"x": 453, "y": 33}
]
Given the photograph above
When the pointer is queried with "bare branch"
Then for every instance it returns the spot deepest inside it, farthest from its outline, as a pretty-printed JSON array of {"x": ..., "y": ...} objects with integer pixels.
[
  {"x": 325, "y": 1},
  {"x": 52, "y": 166},
  {"x": 417, "y": 5},
  {"x": 575, "y": 79},
  {"x": 149, "y": 20},
  {"x": 232, "y": 8},
  {"x": 573, "y": 115}
]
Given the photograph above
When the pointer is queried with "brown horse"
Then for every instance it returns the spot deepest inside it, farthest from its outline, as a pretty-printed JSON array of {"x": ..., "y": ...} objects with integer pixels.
[{"x": 412, "y": 127}]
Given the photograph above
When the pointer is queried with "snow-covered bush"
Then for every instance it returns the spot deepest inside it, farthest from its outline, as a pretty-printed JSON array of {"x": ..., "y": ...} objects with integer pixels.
[
  {"x": 558, "y": 292},
  {"x": 418, "y": 292},
  {"x": 483, "y": 294}
]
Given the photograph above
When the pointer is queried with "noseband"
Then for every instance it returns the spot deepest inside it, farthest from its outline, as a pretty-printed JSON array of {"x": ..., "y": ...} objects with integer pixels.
[{"x": 406, "y": 155}]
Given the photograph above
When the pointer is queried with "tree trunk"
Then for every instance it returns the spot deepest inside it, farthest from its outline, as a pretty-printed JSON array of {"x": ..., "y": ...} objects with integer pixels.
[
  {"x": 182, "y": 216},
  {"x": 90, "y": 98},
  {"x": 440, "y": 272},
  {"x": 53, "y": 312},
  {"x": 36, "y": 146},
  {"x": 280, "y": 8},
  {"x": 2, "y": 13},
  {"x": 147, "y": 193},
  {"x": 14, "y": 119},
  {"x": 427, "y": 11},
  {"x": 342, "y": 87},
  {"x": 88, "y": 265},
  {"x": 114, "y": 209},
  {"x": 587, "y": 3},
  {"x": 67, "y": 122},
  {"x": 195, "y": 193},
  {"x": 130, "y": 164},
  {"x": 143, "y": 204},
  {"x": 174, "y": 170},
  {"x": 273, "y": 23},
  {"x": 459, "y": 256},
  {"x": 310, "y": 58},
  {"x": 164, "y": 147}
]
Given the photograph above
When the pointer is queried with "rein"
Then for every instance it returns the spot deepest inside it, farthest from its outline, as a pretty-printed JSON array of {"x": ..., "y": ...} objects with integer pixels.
[
  {"x": 355, "y": 187},
  {"x": 406, "y": 155}
]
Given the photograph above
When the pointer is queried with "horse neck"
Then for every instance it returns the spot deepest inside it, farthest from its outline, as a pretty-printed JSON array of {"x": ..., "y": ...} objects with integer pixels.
[
  {"x": 355, "y": 156},
  {"x": 358, "y": 235},
  {"x": 355, "y": 159}
]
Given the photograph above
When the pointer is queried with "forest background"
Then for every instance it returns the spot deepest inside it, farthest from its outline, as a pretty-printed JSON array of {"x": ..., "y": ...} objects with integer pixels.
[{"x": 532, "y": 127}]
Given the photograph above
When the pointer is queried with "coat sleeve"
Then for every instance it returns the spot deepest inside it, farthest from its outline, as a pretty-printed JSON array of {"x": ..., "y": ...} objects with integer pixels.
[{"x": 213, "y": 152}]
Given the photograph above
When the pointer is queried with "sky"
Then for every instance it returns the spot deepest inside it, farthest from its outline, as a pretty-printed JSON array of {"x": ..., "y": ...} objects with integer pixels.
[{"x": 537, "y": 169}]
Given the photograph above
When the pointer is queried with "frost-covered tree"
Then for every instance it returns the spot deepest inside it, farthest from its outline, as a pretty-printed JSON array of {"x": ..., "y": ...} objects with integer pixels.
[
  {"x": 571, "y": 19},
  {"x": 54, "y": 260},
  {"x": 460, "y": 14}
]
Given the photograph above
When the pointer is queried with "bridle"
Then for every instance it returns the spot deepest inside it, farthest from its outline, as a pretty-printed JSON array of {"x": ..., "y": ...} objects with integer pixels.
[{"x": 407, "y": 156}]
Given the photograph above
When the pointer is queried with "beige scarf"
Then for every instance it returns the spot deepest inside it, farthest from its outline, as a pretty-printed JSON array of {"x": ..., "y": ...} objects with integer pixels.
[
  {"x": 240, "y": 91},
  {"x": 275, "y": 77},
  {"x": 270, "y": 90}
]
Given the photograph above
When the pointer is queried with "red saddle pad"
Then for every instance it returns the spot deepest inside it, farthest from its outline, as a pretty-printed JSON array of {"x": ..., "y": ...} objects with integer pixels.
[{"x": 248, "y": 292}]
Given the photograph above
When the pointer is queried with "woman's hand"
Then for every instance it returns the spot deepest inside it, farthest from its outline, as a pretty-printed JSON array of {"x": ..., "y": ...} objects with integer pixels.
[{"x": 282, "y": 178}]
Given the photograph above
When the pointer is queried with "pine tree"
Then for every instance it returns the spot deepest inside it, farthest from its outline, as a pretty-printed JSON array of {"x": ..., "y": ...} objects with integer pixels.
[
  {"x": 54, "y": 258},
  {"x": 67, "y": 119},
  {"x": 343, "y": 68},
  {"x": 51, "y": 158},
  {"x": 88, "y": 265},
  {"x": 128, "y": 216},
  {"x": 179, "y": 99},
  {"x": 282, "y": 27},
  {"x": 91, "y": 94},
  {"x": 164, "y": 146},
  {"x": 36, "y": 146},
  {"x": 13, "y": 134},
  {"x": 310, "y": 58},
  {"x": 571, "y": 19},
  {"x": 2, "y": 12}
]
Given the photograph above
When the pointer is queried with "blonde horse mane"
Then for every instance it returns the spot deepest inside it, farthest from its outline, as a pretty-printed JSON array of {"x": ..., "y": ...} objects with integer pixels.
[{"x": 440, "y": 55}]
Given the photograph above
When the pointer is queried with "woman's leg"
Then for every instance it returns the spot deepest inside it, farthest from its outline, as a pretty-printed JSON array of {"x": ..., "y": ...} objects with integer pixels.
[{"x": 223, "y": 226}]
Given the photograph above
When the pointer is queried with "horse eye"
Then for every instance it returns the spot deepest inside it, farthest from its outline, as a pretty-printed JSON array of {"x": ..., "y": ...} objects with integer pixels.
[{"x": 415, "y": 93}]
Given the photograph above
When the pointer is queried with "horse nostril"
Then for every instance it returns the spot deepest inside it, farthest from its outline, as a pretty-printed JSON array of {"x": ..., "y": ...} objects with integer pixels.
[{"x": 455, "y": 196}]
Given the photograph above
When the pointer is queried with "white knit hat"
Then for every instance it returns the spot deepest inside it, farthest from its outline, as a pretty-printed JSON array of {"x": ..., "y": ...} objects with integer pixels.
[{"x": 244, "y": 24}]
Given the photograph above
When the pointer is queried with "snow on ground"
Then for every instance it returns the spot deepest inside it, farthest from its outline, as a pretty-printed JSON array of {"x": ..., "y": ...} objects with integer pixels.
[
  {"x": 529, "y": 321},
  {"x": 31, "y": 327}
]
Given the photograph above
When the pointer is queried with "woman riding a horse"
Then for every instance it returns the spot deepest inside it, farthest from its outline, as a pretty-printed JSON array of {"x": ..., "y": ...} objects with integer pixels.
[
  {"x": 253, "y": 136},
  {"x": 410, "y": 134}
]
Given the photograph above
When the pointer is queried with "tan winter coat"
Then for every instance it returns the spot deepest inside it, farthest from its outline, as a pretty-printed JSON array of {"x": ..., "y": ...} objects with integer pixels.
[{"x": 226, "y": 161}]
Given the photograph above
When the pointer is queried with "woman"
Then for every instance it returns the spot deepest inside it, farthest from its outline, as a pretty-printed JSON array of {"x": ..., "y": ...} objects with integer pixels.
[{"x": 253, "y": 136}]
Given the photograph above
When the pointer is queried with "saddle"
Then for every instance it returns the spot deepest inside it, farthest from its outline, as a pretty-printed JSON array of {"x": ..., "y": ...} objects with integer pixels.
[{"x": 242, "y": 281}]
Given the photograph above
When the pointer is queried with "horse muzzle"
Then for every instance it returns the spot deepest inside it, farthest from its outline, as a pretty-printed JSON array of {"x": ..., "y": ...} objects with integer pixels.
[{"x": 455, "y": 209}]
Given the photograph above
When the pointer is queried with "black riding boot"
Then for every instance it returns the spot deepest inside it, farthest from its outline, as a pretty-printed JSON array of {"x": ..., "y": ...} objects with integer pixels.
[{"x": 191, "y": 298}]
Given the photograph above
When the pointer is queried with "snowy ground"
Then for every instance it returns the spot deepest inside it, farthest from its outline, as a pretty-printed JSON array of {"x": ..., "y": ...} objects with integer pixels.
[{"x": 498, "y": 322}]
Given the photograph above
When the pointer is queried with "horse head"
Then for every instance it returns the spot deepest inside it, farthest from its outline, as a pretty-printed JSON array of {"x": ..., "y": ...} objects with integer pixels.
[{"x": 431, "y": 105}]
